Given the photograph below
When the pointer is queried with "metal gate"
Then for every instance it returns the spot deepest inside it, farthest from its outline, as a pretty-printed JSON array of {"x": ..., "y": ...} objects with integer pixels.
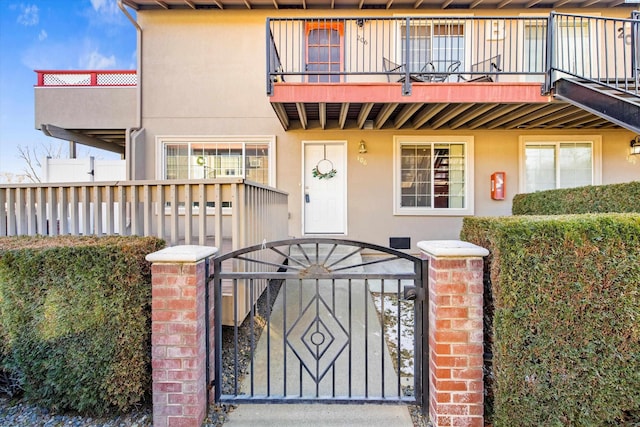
[{"x": 338, "y": 321}]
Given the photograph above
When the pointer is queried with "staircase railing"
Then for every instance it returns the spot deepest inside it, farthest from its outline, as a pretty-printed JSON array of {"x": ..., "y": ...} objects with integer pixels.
[{"x": 596, "y": 49}]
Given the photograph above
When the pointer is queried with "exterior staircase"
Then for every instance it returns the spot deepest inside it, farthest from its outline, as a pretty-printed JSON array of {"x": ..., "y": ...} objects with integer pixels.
[{"x": 617, "y": 101}]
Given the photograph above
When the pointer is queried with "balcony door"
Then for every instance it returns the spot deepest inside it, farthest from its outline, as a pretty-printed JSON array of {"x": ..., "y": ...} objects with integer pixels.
[{"x": 324, "y": 50}]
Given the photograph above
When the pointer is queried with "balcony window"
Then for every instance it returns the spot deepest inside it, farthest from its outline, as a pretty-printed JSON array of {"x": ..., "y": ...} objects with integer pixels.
[
  {"x": 210, "y": 158},
  {"x": 550, "y": 164},
  {"x": 440, "y": 44},
  {"x": 432, "y": 176},
  {"x": 535, "y": 46},
  {"x": 572, "y": 50}
]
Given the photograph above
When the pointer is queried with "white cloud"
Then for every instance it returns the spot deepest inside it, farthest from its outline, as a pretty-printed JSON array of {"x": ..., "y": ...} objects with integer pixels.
[
  {"x": 29, "y": 15},
  {"x": 134, "y": 60},
  {"x": 96, "y": 61},
  {"x": 43, "y": 35},
  {"x": 105, "y": 6},
  {"x": 47, "y": 55}
]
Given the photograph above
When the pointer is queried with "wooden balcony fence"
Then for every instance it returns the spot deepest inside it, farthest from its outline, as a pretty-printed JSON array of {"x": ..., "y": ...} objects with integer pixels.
[{"x": 237, "y": 213}]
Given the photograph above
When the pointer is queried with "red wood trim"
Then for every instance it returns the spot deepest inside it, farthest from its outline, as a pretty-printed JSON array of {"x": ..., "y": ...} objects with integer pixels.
[
  {"x": 93, "y": 76},
  {"x": 86, "y": 71},
  {"x": 323, "y": 25},
  {"x": 421, "y": 92}
]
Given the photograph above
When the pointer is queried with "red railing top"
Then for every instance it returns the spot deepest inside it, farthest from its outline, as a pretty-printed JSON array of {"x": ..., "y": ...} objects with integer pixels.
[{"x": 87, "y": 78}]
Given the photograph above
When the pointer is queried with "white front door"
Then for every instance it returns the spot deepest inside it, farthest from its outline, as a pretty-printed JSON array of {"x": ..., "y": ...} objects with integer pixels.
[{"x": 324, "y": 195}]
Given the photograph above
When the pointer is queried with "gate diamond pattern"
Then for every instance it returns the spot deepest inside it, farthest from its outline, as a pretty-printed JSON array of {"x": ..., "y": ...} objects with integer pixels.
[{"x": 323, "y": 336}]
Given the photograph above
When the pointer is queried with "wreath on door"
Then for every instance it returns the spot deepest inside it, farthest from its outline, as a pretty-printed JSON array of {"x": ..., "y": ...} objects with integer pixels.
[{"x": 324, "y": 169}]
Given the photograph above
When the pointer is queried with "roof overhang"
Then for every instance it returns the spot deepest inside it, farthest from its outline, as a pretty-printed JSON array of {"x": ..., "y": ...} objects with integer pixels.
[
  {"x": 371, "y": 4},
  {"x": 430, "y": 106}
]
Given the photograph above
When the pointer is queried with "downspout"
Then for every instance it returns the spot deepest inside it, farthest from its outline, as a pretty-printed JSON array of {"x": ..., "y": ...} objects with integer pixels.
[{"x": 129, "y": 151}]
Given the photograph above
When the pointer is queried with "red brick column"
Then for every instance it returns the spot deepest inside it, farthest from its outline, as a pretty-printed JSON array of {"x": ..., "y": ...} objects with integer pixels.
[
  {"x": 456, "y": 385},
  {"x": 178, "y": 356}
]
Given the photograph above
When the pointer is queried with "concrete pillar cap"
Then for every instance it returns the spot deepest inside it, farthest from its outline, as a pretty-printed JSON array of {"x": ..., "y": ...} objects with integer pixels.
[
  {"x": 451, "y": 248},
  {"x": 182, "y": 253}
]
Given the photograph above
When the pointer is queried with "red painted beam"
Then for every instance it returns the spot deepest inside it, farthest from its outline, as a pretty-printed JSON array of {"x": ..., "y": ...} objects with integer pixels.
[{"x": 421, "y": 92}]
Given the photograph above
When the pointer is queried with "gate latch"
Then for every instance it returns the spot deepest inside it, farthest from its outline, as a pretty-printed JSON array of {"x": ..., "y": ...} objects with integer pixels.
[{"x": 410, "y": 293}]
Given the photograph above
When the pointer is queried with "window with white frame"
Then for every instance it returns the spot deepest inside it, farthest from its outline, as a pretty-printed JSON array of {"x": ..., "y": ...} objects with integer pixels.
[
  {"x": 432, "y": 175},
  {"x": 436, "y": 42},
  {"x": 535, "y": 45},
  {"x": 218, "y": 157},
  {"x": 572, "y": 53},
  {"x": 549, "y": 163}
]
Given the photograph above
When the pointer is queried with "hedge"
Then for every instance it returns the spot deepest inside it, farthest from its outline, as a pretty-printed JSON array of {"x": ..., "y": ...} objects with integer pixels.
[
  {"x": 566, "y": 326},
  {"x": 591, "y": 199},
  {"x": 75, "y": 320}
]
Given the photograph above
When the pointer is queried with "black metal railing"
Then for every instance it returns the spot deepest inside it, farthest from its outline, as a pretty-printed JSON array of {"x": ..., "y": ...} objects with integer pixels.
[
  {"x": 404, "y": 49},
  {"x": 452, "y": 49},
  {"x": 331, "y": 334},
  {"x": 597, "y": 49}
]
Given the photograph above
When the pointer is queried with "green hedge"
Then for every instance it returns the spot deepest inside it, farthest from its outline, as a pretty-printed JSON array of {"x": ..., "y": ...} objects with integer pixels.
[
  {"x": 566, "y": 326},
  {"x": 75, "y": 320},
  {"x": 592, "y": 199}
]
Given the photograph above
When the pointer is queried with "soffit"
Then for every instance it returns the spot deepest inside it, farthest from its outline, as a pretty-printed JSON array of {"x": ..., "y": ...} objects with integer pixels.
[
  {"x": 437, "y": 116},
  {"x": 444, "y": 106}
]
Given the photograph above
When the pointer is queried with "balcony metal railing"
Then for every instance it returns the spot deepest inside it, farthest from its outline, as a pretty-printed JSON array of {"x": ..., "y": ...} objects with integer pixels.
[
  {"x": 87, "y": 78},
  {"x": 451, "y": 49},
  {"x": 235, "y": 211},
  {"x": 404, "y": 49},
  {"x": 598, "y": 49}
]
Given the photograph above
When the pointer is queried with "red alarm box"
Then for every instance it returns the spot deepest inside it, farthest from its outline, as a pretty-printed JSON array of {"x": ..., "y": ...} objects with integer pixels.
[{"x": 498, "y": 184}]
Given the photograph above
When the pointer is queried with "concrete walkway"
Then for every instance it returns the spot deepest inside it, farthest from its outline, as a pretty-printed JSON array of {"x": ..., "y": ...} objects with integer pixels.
[
  {"x": 294, "y": 415},
  {"x": 331, "y": 346}
]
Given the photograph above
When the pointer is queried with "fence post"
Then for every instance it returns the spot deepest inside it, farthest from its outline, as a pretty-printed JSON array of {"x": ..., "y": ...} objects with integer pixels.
[
  {"x": 550, "y": 54},
  {"x": 406, "y": 84},
  {"x": 456, "y": 387},
  {"x": 178, "y": 335}
]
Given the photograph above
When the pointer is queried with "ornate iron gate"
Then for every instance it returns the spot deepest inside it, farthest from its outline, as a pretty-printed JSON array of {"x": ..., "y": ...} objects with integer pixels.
[{"x": 332, "y": 325}]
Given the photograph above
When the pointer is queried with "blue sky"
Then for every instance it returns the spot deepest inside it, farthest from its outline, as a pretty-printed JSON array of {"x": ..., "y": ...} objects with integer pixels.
[{"x": 53, "y": 35}]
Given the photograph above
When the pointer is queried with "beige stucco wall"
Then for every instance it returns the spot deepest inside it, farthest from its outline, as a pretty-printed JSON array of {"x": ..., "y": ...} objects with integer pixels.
[
  {"x": 85, "y": 107},
  {"x": 203, "y": 74}
]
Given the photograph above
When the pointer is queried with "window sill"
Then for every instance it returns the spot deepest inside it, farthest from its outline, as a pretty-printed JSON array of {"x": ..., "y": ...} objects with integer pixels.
[{"x": 432, "y": 212}]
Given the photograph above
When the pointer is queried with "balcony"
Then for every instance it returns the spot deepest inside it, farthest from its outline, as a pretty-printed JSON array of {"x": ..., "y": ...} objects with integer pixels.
[
  {"x": 236, "y": 213},
  {"x": 98, "y": 106},
  {"x": 447, "y": 73}
]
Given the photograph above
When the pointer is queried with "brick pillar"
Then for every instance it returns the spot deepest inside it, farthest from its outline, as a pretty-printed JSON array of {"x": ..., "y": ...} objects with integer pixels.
[
  {"x": 178, "y": 356},
  {"x": 456, "y": 387}
]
